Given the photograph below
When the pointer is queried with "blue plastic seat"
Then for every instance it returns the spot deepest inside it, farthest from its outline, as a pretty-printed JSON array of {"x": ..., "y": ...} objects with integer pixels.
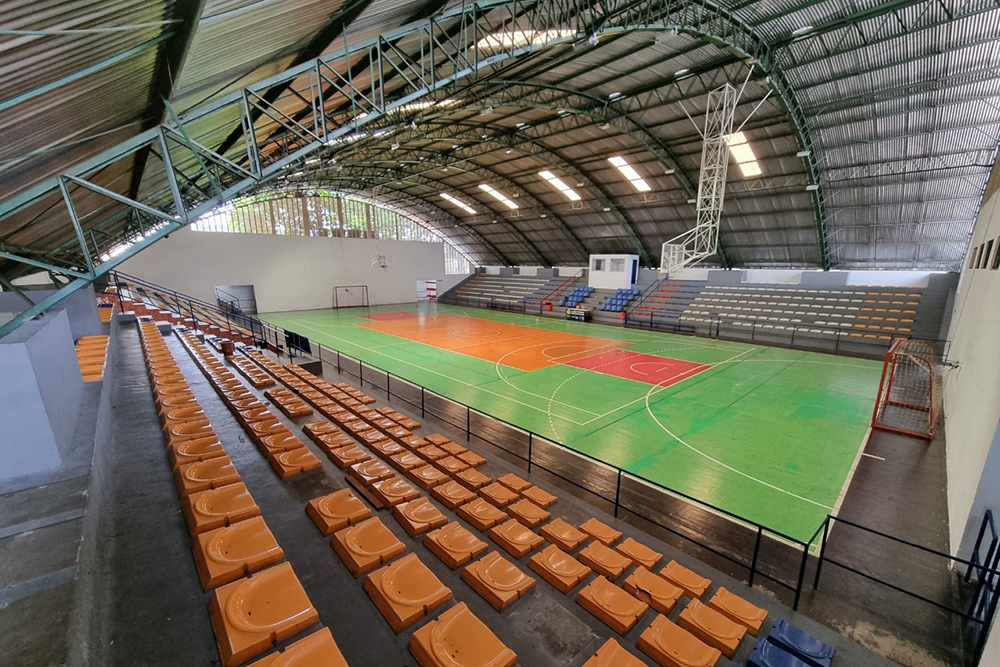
[
  {"x": 801, "y": 644},
  {"x": 766, "y": 654}
]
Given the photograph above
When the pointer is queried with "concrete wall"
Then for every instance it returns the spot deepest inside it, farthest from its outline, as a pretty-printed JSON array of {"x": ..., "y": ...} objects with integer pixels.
[
  {"x": 40, "y": 393},
  {"x": 817, "y": 278},
  {"x": 972, "y": 391},
  {"x": 81, "y": 307},
  {"x": 288, "y": 272}
]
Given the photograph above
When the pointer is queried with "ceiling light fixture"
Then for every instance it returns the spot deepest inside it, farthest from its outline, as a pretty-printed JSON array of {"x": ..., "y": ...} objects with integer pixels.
[
  {"x": 560, "y": 185},
  {"x": 622, "y": 165},
  {"x": 681, "y": 72}
]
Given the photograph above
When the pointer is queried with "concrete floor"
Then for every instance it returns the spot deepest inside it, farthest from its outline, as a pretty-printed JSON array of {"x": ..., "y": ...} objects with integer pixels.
[{"x": 150, "y": 609}]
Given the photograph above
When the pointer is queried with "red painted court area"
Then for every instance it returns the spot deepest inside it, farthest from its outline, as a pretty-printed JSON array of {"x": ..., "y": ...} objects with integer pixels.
[{"x": 660, "y": 371}]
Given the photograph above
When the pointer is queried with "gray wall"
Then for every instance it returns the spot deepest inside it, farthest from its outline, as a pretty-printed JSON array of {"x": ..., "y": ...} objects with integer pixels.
[
  {"x": 40, "y": 394},
  {"x": 81, "y": 307}
]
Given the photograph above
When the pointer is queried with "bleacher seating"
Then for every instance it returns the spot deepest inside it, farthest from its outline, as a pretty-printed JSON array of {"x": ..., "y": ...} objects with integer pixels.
[
  {"x": 620, "y": 300},
  {"x": 91, "y": 354},
  {"x": 575, "y": 297},
  {"x": 485, "y": 287},
  {"x": 611, "y": 576}
]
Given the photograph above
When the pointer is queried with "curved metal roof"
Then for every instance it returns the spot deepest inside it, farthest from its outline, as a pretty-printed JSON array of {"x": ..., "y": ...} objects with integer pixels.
[{"x": 875, "y": 123}]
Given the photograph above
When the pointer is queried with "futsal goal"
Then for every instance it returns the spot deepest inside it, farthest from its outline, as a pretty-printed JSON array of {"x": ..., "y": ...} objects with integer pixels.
[
  {"x": 909, "y": 393},
  {"x": 350, "y": 296}
]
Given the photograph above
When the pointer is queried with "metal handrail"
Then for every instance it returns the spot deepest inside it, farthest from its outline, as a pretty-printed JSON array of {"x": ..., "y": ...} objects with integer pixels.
[
  {"x": 560, "y": 287},
  {"x": 646, "y": 293}
]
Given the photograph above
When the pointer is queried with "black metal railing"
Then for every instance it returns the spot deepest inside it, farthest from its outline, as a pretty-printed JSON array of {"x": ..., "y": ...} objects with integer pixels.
[{"x": 977, "y": 615}]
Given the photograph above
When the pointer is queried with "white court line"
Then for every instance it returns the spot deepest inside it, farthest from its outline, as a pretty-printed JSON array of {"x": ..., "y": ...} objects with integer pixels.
[
  {"x": 872, "y": 456},
  {"x": 850, "y": 477}
]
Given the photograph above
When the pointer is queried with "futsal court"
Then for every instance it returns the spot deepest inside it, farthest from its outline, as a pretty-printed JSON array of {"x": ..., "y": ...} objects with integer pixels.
[{"x": 770, "y": 434}]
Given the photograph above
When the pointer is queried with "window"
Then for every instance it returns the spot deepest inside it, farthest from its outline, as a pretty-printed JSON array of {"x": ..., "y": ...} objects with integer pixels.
[
  {"x": 996, "y": 257},
  {"x": 325, "y": 213},
  {"x": 973, "y": 257},
  {"x": 987, "y": 254},
  {"x": 618, "y": 265},
  {"x": 743, "y": 154},
  {"x": 598, "y": 265}
]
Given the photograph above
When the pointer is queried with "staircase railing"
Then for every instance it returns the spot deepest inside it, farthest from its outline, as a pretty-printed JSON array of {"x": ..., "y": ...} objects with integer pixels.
[
  {"x": 559, "y": 290},
  {"x": 275, "y": 338},
  {"x": 646, "y": 293}
]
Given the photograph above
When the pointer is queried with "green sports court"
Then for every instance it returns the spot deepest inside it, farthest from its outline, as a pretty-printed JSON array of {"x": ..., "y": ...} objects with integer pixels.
[{"x": 769, "y": 434}]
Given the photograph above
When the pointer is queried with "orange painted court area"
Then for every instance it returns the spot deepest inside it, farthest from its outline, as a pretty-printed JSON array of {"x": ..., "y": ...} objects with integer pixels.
[{"x": 524, "y": 348}]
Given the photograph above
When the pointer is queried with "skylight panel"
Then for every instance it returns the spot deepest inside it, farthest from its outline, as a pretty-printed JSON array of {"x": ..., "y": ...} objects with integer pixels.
[
  {"x": 743, "y": 154},
  {"x": 462, "y": 205},
  {"x": 560, "y": 185},
  {"x": 499, "y": 196},
  {"x": 516, "y": 39},
  {"x": 622, "y": 165}
]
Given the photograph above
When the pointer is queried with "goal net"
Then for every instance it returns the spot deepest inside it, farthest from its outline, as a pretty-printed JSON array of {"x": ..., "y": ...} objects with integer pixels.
[
  {"x": 350, "y": 296},
  {"x": 909, "y": 394}
]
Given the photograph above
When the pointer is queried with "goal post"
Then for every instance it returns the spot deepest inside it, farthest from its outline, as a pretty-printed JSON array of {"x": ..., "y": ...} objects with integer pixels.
[
  {"x": 350, "y": 296},
  {"x": 909, "y": 393}
]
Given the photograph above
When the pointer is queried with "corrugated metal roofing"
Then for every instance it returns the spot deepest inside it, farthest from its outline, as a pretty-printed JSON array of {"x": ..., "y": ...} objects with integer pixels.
[{"x": 901, "y": 99}]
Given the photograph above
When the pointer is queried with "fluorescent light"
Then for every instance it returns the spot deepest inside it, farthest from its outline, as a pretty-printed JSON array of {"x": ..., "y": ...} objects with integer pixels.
[
  {"x": 424, "y": 104},
  {"x": 615, "y": 95},
  {"x": 742, "y": 152},
  {"x": 560, "y": 185},
  {"x": 681, "y": 72},
  {"x": 803, "y": 30},
  {"x": 516, "y": 39},
  {"x": 668, "y": 171},
  {"x": 499, "y": 196},
  {"x": 812, "y": 186},
  {"x": 465, "y": 207},
  {"x": 802, "y": 154},
  {"x": 622, "y": 165}
]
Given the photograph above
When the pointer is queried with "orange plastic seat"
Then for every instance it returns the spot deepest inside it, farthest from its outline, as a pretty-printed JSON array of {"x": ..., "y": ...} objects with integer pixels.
[
  {"x": 639, "y": 553},
  {"x": 253, "y": 614},
  {"x": 481, "y": 514},
  {"x": 611, "y": 654},
  {"x": 472, "y": 479},
  {"x": 454, "y": 544},
  {"x": 437, "y": 439},
  {"x": 282, "y": 441},
  {"x": 189, "y": 451},
  {"x": 451, "y": 494},
  {"x": 194, "y": 430},
  {"x": 387, "y": 448},
  {"x": 694, "y": 584},
  {"x": 528, "y": 513},
  {"x": 672, "y": 646},
  {"x": 178, "y": 415},
  {"x": 498, "y": 494},
  {"x": 453, "y": 448},
  {"x": 712, "y": 627},
  {"x": 513, "y": 482},
  {"x": 604, "y": 560},
  {"x": 315, "y": 429},
  {"x": 432, "y": 453},
  {"x": 559, "y": 568},
  {"x": 365, "y": 546},
  {"x": 294, "y": 462},
  {"x": 418, "y": 516},
  {"x": 394, "y": 490},
  {"x": 334, "y": 440},
  {"x": 427, "y": 476},
  {"x": 497, "y": 580},
  {"x": 185, "y": 400},
  {"x": 616, "y": 608},
  {"x": 457, "y": 638},
  {"x": 414, "y": 442},
  {"x": 539, "y": 496},
  {"x": 226, "y": 554},
  {"x": 451, "y": 465},
  {"x": 652, "y": 589},
  {"x": 348, "y": 456},
  {"x": 739, "y": 610},
  {"x": 202, "y": 475},
  {"x": 515, "y": 538},
  {"x": 601, "y": 532},
  {"x": 369, "y": 472},
  {"x": 336, "y": 511},
  {"x": 471, "y": 458},
  {"x": 406, "y": 461},
  {"x": 317, "y": 650},
  {"x": 256, "y": 412},
  {"x": 405, "y": 591},
  {"x": 261, "y": 429},
  {"x": 563, "y": 535},
  {"x": 371, "y": 437}
]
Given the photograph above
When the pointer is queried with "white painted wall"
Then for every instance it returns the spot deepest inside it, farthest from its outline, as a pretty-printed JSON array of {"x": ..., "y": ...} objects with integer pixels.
[
  {"x": 287, "y": 272},
  {"x": 793, "y": 277},
  {"x": 889, "y": 278},
  {"x": 972, "y": 391},
  {"x": 528, "y": 270},
  {"x": 607, "y": 278},
  {"x": 772, "y": 276}
]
